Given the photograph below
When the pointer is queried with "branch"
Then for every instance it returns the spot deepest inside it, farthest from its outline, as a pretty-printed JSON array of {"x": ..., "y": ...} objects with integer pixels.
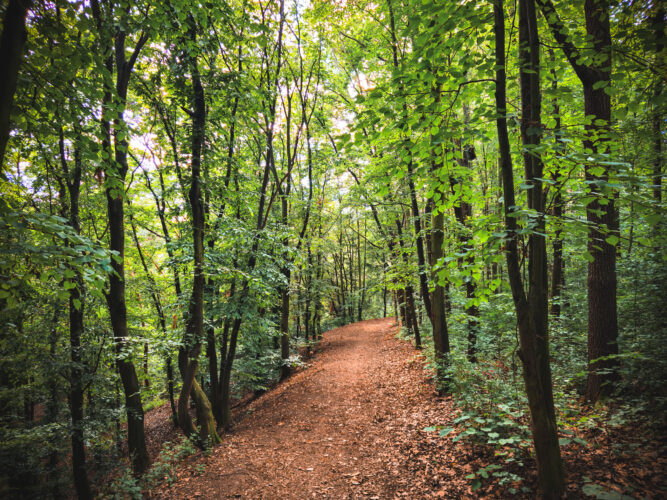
[{"x": 559, "y": 32}]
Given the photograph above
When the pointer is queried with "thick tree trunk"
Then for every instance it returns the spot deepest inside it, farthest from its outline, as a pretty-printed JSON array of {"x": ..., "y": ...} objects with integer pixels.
[
  {"x": 602, "y": 310},
  {"x": 118, "y": 314},
  {"x": 601, "y": 213},
  {"x": 436, "y": 252},
  {"x": 11, "y": 53}
]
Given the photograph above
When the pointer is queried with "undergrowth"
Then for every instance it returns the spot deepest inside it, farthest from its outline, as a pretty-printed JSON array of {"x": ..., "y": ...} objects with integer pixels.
[{"x": 163, "y": 471}]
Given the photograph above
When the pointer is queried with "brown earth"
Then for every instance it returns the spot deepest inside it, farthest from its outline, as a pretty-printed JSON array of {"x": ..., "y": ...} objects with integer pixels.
[
  {"x": 351, "y": 426},
  {"x": 330, "y": 430}
]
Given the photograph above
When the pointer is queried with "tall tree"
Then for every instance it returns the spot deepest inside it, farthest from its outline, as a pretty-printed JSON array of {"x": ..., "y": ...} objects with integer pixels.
[
  {"x": 594, "y": 72},
  {"x": 194, "y": 328},
  {"x": 113, "y": 106},
  {"x": 71, "y": 178},
  {"x": 531, "y": 308}
]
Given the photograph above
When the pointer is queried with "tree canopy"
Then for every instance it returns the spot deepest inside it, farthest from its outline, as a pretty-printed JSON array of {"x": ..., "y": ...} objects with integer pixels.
[{"x": 193, "y": 193}]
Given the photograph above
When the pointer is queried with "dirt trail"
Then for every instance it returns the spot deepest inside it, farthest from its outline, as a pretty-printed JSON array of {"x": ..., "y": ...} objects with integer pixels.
[
  {"x": 351, "y": 426},
  {"x": 333, "y": 430}
]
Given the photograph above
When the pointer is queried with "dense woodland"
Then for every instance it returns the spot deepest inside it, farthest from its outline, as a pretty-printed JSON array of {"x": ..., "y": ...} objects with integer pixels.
[{"x": 192, "y": 193}]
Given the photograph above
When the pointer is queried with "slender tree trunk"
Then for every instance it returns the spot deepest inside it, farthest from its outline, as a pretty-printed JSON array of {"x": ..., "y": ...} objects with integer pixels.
[
  {"x": 462, "y": 212},
  {"x": 531, "y": 309},
  {"x": 160, "y": 315},
  {"x": 195, "y": 325},
  {"x": 72, "y": 179},
  {"x": 411, "y": 309},
  {"x": 54, "y": 474},
  {"x": 558, "y": 265},
  {"x": 115, "y": 173},
  {"x": 284, "y": 290},
  {"x": 658, "y": 27},
  {"x": 421, "y": 259},
  {"x": 228, "y": 360}
]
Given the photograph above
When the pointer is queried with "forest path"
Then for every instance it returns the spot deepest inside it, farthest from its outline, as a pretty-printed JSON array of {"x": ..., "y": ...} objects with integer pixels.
[{"x": 345, "y": 427}]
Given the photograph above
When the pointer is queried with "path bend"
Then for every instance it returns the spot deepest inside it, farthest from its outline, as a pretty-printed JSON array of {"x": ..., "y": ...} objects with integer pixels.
[{"x": 338, "y": 429}]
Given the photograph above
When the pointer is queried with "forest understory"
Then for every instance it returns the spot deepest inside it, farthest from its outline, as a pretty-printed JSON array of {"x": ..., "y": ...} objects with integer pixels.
[
  {"x": 195, "y": 195},
  {"x": 339, "y": 428}
]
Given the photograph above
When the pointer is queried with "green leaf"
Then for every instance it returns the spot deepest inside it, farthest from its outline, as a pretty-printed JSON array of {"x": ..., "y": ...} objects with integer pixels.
[{"x": 597, "y": 491}]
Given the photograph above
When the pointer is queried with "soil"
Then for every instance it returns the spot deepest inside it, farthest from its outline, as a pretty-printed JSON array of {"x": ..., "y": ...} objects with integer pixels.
[{"x": 351, "y": 424}]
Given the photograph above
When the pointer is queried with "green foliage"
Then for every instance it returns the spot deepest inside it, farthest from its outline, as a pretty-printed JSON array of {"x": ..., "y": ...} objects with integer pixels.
[
  {"x": 162, "y": 471},
  {"x": 307, "y": 173}
]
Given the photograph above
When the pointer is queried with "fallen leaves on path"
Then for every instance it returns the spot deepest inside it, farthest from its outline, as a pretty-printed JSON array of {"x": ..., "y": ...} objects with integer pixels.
[{"x": 351, "y": 426}]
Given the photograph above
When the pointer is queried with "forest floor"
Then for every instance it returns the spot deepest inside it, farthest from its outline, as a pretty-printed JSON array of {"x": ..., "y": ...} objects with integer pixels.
[{"x": 351, "y": 424}]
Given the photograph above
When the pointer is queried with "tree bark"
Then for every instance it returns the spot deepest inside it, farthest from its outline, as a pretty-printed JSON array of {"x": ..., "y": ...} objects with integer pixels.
[
  {"x": 462, "y": 212},
  {"x": 558, "y": 265},
  {"x": 194, "y": 329},
  {"x": 72, "y": 179},
  {"x": 531, "y": 309},
  {"x": 115, "y": 173},
  {"x": 11, "y": 53},
  {"x": 601, "y": 213},
  {"x": 440, "y": 332}
]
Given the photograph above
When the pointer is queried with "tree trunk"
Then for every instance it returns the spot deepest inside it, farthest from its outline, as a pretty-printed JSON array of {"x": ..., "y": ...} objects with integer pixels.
[
  {"x": 658, "y": 27},
  {"x": 531, "y": 310},
  {"x": 440, "y": 333},
  {"x": 195, "y": 325},
  {"x": 558, "y": 266},
  {"x": 76, "y": 328},
  {"x": 601, "y": 213},
  {"x": 602, "y": 310},
  {"x": 284, "y": 290},
  {"x": 11, "y": 53},
  {"x": 436, "y": 252},
  {"x": 118, "y": 314},
  {"x": 115, "y": 173},
  {"x": 462, "y": 212},
  {"x": 421, "y": 260},
  {"x": 160, "y": 315}
]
